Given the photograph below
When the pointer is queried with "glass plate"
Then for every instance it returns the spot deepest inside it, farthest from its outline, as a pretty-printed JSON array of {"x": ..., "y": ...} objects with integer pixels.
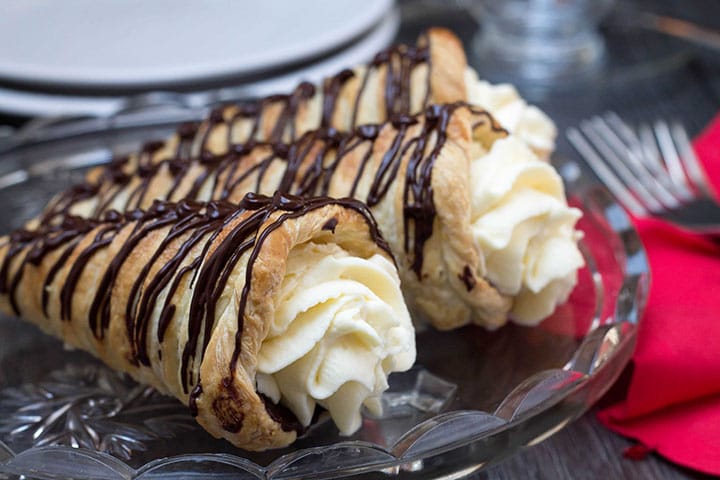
[{"x": 474, "y": 397}]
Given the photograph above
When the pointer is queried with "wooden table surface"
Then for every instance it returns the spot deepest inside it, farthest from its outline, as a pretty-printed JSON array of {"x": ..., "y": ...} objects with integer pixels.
[{"x": 584, "y": 450}]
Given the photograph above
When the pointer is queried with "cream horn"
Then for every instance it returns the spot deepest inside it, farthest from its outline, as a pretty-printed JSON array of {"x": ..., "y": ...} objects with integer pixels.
[
  {"x": 253, "y": 313},
  {"x": 479, "y": 225}
]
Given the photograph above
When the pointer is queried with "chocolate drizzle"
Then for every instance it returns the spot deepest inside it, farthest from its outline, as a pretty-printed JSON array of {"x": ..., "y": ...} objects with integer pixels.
[
  {"x": 282, "y": 415},
  {"x": 331, "y": 91},
  {"x": 196, "y": 241},
  {"x": 468, "y": 278},
  {"x": 192, "y": 402},
  {"x": 330, "y": 225}
]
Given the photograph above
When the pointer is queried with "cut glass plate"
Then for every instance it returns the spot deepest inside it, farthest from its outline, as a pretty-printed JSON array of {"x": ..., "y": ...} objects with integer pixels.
[{"x": 474, "y": 397}]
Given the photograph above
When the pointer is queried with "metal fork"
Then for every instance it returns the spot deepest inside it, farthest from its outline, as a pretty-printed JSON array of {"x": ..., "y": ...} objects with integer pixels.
[{"x": 651, "y": 171}]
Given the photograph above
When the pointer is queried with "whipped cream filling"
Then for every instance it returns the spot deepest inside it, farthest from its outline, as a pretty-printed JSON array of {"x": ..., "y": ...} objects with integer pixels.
[
  {"x": 525, "y": 229},
  {"x": 340, "y": 328},
  {"x": 503, "y": 101}
]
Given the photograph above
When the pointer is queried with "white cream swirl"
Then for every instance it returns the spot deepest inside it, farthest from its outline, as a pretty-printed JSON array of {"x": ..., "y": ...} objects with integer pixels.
[
  {"x": 525, "y": 229},
  {"x": 525, "y": 121},
  {"x": 340, "y": 327}
]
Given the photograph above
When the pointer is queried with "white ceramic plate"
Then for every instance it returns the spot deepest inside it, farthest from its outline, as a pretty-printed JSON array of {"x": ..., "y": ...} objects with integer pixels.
[
  {"x": 139, "y": 43},
  {"x": 31, "y": 103}
]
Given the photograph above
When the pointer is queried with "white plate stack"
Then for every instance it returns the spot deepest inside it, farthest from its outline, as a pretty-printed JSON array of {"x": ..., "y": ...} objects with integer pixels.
[{"x": 79, "y": 57}]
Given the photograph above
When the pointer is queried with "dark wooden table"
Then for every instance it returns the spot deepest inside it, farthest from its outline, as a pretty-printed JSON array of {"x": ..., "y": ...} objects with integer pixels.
[{"x": 584, "y": 450}]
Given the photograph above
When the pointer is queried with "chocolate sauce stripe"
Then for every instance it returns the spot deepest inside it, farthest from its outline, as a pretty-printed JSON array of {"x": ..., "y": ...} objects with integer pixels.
[{"x": 146, "y": 303}]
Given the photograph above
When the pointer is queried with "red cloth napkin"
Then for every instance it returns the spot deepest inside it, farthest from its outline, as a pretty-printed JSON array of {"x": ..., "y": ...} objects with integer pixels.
[{"x": 672, "y": 404}]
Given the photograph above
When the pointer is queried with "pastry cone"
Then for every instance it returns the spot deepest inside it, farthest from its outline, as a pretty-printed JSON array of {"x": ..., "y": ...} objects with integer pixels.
[
  {"x": 419, "y": 178},
  {"x": 230, "y": 309}
]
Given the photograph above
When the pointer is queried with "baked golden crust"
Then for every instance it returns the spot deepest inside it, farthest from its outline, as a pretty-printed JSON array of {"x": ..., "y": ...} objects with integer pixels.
[
  {"x": 447, "y": 57},
  {"x": 144, "y": 255}
]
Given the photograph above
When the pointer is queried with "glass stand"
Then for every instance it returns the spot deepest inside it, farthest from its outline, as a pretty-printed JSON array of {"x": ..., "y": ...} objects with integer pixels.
[{"x": 540, "y": 44}]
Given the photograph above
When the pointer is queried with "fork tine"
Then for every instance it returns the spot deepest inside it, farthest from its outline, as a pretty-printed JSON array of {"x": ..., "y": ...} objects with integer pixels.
[
  {"x": 671, "y": 157},
  {"x": 689, "y": 160},
  {"x": 605, "y": 174},
  {"x": 650, "y": 150},
  {"x": 622, "y": 128},
  {"x": 636, "y": 145},
  {"x": 637, "y": 148},
  {"x": 635, "y": 184},
  {"x": 633, "y": 160},
  {"x": 652, "y": 156}
]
